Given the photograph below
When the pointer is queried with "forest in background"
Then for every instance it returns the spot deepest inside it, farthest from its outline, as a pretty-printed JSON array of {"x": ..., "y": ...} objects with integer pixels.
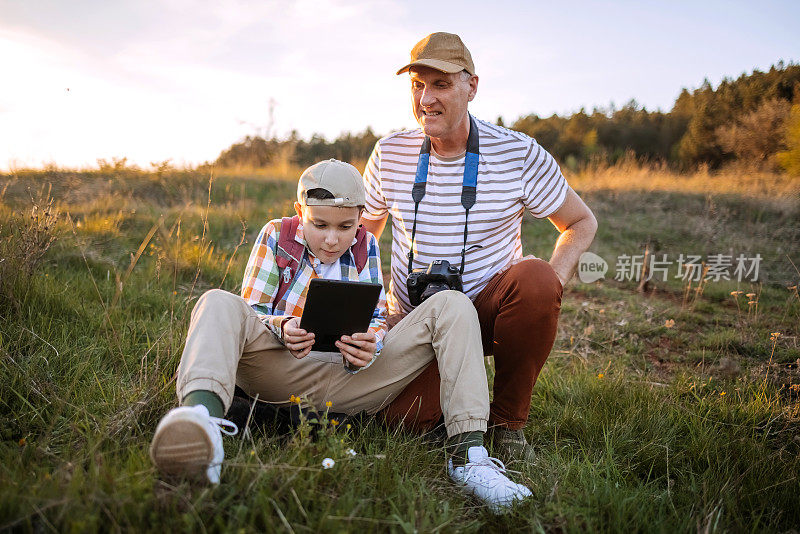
[{"x": 753, "y": 120}]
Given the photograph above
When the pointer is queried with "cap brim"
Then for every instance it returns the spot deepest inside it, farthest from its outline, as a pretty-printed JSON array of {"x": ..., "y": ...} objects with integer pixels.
[{"x": 438, "y": 64}]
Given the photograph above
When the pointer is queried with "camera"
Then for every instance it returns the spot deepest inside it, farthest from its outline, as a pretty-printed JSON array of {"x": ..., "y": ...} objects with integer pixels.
[{"x": 439, "y": 276}]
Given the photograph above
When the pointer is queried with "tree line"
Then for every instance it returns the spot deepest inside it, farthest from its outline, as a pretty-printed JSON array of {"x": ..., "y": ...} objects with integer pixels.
[{"x": 754, "y": 119}]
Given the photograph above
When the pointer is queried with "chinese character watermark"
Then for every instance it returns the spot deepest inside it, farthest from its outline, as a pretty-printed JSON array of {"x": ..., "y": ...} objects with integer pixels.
[{"x": 688, "y": 267}]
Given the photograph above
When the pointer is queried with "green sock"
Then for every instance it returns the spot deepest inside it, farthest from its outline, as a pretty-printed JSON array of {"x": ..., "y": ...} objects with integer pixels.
[
  {"x": 458, "y": 445},
  {"x": 209, "y": 399}
]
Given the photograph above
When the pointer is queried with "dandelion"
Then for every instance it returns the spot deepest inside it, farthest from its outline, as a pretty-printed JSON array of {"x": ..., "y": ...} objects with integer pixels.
[
  {"x": 669, "y": 323},
  {"x": 329, "y": 404},
  {"x": 327, "y": 463},
  {"x": 351, "y": 452},
  {"x": 334, "y": 422},
  {"x": 600, "y": 375},
  {"x": 291, "y": 398},
  {"x": 721, "y": 393},
  {"x": 774, "y": 336}
]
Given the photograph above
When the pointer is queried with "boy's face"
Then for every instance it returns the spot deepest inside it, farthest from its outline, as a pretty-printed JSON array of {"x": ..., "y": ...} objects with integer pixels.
[{"x": 329, "y": 230}]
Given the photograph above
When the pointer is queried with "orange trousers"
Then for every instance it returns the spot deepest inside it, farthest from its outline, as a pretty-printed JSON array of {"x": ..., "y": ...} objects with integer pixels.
[{"x": 518, "y": 314}]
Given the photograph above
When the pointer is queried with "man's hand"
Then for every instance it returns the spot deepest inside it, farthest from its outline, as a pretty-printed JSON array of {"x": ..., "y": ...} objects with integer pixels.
[
  {"x": 358, "y": 349},
  {"x": 577, "y": 225},
  {"x": 297, "y": 340}
]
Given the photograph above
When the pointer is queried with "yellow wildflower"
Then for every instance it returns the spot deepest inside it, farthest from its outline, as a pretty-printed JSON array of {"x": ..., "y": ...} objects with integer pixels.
[
  {"x": 722, "y": 394},
  {"x": 329, "y": 404},
  {"x": 334, "y": 422},
  {"x": 775, "y": 335},
  {"x": 750, "y": 295},
  {"x": 669, "y": 323},
  {"x": 600, "y": 375},
  {"x": 736, "y": 293}
]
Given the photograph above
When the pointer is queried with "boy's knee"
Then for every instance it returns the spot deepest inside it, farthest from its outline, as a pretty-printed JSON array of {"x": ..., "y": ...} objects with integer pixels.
[
  {"x": 451, "y": 305},
  {"x": 451, "y": 299},
  {"x": 218, "y": 299}
]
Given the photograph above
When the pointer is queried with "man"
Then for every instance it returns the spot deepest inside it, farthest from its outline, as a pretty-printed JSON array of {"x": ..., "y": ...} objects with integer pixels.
[{"x": 473, "y": 220}]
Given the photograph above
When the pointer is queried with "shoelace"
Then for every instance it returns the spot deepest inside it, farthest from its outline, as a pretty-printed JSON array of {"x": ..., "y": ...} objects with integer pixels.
[
  {"x": 224, "y": 424},
  {"x": 492, "y": 463}
]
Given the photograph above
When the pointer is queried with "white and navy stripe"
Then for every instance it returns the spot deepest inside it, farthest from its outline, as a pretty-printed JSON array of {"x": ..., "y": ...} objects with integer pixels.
[{"x": 514, "y": 174}]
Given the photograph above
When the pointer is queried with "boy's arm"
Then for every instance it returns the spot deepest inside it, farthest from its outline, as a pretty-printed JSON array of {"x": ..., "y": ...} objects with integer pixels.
[
  {"x": 260, "y": 283},
  {"x": 372, "y": 273}
]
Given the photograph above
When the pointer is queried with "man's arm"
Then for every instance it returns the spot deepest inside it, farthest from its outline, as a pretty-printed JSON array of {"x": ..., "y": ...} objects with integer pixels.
[
  {"x": 375, "y": 227},
  {"x": 577, "y": 225}
]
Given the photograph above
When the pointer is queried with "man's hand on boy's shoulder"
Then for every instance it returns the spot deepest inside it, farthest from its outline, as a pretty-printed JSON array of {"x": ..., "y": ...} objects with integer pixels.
[
  {"x": 297, "y": 340},
  {"x": 358, "y": 349}
]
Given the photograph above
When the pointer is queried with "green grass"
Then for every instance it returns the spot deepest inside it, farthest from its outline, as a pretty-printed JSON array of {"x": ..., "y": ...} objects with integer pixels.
[{"x": 639, "y": 424}]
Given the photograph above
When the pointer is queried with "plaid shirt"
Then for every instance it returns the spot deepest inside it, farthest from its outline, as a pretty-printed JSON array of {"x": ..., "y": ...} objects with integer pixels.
[{"x": 260, "y": 284}]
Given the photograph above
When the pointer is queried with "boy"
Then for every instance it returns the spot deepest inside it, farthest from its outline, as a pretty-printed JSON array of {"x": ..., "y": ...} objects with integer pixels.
[{"x": 255, "y": 342}]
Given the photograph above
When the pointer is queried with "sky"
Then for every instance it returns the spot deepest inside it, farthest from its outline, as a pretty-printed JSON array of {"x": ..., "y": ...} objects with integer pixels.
[{"x": 182, "y": 80}]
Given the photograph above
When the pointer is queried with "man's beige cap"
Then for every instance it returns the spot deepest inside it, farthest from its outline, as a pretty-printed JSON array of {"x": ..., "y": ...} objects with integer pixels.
[
  {"x": 341, "y": 179},
  {"x": 441, "y": 51}
]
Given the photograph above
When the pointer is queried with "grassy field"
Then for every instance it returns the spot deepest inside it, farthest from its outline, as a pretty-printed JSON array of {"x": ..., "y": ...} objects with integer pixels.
[{"x": 673, "y": 408}]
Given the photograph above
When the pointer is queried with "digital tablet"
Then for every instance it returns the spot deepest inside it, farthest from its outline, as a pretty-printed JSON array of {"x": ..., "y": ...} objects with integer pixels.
[{"x": 335, "y": 308}]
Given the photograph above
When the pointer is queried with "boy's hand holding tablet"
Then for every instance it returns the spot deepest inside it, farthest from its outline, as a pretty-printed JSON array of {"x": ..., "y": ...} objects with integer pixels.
[
  {"x": 358, "y": 349},
  {"x": 336, "y": 317}
]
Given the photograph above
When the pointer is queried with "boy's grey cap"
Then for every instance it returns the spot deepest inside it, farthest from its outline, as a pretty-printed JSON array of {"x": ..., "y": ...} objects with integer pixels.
[{"x": 340, "y": 178}]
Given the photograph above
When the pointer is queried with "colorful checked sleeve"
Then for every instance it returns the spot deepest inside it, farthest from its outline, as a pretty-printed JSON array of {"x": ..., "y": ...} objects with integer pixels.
[{"x": 260, "y": 284}]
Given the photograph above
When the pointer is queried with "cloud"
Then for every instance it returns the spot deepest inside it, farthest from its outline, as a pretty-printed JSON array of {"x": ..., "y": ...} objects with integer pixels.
[{"x": 190, "y": 92}]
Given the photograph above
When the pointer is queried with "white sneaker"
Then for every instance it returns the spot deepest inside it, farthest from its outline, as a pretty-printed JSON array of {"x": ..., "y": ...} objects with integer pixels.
[
  {"x": 485, "y": 478},
  {"x": 188, "y": 443}
]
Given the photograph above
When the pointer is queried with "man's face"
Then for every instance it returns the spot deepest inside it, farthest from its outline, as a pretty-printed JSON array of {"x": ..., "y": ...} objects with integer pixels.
[
  {"x": 329, "y": 230},
  {"x": 440, "y": 99}
]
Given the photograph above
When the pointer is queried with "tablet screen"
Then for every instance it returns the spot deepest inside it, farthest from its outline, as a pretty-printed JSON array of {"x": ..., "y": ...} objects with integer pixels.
[{"x": 337, "y": 307}]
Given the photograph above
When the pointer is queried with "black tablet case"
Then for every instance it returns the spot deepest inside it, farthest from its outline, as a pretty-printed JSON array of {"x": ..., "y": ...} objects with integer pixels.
[{"x": 335, "y": 308}]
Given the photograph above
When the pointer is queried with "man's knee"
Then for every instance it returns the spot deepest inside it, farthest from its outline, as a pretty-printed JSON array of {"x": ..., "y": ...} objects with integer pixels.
[{"x": 536, "y": 283}]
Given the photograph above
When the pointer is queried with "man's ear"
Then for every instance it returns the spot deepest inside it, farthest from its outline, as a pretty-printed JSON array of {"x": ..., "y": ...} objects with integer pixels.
[
  {"x": 298, "y": 208},
  {"x": 473, "y": 87}
]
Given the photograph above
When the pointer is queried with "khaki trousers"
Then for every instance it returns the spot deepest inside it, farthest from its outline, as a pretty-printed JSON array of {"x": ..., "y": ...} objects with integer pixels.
[{"x": 228, "y": 345}]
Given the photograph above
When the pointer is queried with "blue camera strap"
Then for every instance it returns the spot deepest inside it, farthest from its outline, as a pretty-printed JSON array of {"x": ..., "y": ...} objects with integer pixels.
[{"x": 469, "y": 185}]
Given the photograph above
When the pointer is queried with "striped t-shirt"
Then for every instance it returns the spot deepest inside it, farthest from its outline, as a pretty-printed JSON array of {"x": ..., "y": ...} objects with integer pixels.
[{"x": 514, "y": 174}]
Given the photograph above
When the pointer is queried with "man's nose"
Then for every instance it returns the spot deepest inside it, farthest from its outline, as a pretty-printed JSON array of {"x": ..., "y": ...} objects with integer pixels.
[{"x": 427, "y": 98}]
